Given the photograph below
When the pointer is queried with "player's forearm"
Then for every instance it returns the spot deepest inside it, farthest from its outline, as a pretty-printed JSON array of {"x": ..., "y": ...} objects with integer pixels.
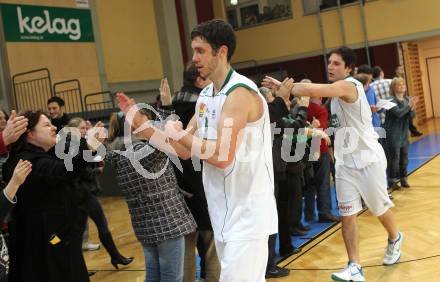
[
  {"x": 206, "y": 150},
  {"x": 159, "y": 140},
  {"x": 314, "y": 90}
]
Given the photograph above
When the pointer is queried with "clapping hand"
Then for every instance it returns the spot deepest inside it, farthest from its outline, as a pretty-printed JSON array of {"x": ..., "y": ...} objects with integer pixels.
[
  {"x": 285, "y": 88},
  {"x": 412, "y": 102},
  {"x": 174, "y": 129},
  {"x": 127, "y": 104},
  {"x": 15, "y": 127},
  {"x": 271, "y": 83},
  {"x": 21, "y": 171},
  {"x": 165, "y": 92}
]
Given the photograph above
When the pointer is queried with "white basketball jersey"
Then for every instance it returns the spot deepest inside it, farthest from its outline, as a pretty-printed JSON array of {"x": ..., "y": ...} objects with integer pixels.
[
  {"x": 241, "y": 200},
  {"x": 356, "y": 142}
]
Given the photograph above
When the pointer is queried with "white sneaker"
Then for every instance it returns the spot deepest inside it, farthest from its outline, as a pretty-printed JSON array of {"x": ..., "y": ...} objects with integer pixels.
[
  {"x": 392, "y": 254},
  {"x": 90, "y": 246},
  {"x": 353, "y": 272}
]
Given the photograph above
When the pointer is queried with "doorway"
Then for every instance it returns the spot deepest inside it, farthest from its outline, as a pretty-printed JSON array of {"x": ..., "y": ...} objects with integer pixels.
[{"x": 433, "y": 68}]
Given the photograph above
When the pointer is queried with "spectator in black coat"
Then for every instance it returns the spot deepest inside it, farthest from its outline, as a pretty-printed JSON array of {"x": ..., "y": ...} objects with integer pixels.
[
  {"x": 88, "y": 185},
  {"x": 278, "y": 109},
  {"x": 45, "y": 240}
]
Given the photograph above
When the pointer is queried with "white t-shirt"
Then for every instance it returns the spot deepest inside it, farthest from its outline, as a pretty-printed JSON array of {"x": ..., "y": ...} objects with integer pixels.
[{"x": 356, "y": 142}]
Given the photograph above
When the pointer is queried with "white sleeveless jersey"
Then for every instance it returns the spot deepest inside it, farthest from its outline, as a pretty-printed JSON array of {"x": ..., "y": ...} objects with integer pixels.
[
  {"x": 356, "y": 142},
  {"x": 240, "y": 198}
]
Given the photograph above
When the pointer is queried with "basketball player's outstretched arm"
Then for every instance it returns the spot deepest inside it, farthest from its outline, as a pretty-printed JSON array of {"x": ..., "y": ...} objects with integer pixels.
[
  {"x": 238, "y": 107},
  {"x": 143, "y": 127},
  {"x": 343, "y": 89}
]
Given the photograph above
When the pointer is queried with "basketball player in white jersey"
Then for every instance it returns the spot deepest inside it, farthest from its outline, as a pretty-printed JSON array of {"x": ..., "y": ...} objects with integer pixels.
[
  {"x": 360, "y": 159},
  {"x": 231, "y": 133}
]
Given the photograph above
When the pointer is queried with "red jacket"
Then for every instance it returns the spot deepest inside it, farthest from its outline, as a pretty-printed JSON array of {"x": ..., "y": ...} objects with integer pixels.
[
  {"x": 3, "y": 148},
  {"x": 321, "y": 114}
]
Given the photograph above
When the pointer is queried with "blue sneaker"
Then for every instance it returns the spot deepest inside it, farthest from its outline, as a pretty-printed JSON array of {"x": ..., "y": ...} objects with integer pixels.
[{"x": 353, "y": 272}]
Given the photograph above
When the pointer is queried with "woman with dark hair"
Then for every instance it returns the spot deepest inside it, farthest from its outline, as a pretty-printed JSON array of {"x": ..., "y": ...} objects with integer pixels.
[
  {"x": 45, "y": 240},
  {"x": 89, "y": 185}
]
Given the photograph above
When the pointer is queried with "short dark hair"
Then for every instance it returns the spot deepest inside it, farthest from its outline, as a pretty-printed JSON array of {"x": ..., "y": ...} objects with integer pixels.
[
  {"x": 365, "y": 69},
  {"x": 57, "y": 100},
  {"x": 362, "y": 78},
  {"x": 376, "y": 72},
  {"x": 217, "y": 33},
  {"x": 190, "y": 74},
  {"x": 348, "y": 56}
]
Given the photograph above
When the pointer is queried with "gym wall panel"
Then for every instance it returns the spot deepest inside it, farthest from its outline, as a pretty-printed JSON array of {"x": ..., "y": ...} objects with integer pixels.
[
  {"x": 387, "y": 20},
  {"x": 394, "y": 18},
  {"x": 64, "y": 60},
  {"x": 352, "y": 25},
  {"x": 280, "y": 39},
  {"x": 130, "y": 41},
  {"x": 429, "y": 52}
]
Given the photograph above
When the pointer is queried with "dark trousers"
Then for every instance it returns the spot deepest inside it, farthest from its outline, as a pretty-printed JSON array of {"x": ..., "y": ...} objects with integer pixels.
[
  {"x": 272, "y": 253},
  {"x": 288, "y": 195},
  {"x": 397, "y": 162},
  {"x": 96, "y": 213},
  {"x": 412, "y": 127},
  {"x": 285, "y": 204},
  {"x": 295, "y": 187},
  {"x": 318, "y": 186},
  {"x": 281, "y": 230}
]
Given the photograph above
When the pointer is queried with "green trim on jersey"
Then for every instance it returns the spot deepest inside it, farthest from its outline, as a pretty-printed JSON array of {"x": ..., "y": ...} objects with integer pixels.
[
  {"x": 205, "y": 92},
  {"x": 228, "y": 77},
  {"x": 233, "y": 87}
]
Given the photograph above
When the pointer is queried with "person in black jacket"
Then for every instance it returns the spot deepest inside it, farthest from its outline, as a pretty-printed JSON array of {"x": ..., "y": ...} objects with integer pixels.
[
  {"x": 279, "y": 109},
  {"x": 45, "y": 240},
  {"x": 88, "y": 185},
  {"x": 287, "y": 183}
]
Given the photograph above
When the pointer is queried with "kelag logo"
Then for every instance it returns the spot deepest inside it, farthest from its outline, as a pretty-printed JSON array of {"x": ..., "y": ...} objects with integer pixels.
[
  {"x": 41, "y": 25},
  {"x": 48, "y": 24}
]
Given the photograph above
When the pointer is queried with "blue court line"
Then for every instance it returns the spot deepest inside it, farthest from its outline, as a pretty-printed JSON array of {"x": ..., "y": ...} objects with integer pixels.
[{"x": 420, "y": 152}]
